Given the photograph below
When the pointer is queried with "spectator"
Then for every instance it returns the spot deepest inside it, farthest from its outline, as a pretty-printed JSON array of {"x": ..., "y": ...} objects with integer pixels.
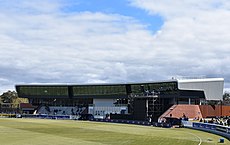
[
  {"x": 201, "y": 120},
  {"x": 228, "y": 122}
]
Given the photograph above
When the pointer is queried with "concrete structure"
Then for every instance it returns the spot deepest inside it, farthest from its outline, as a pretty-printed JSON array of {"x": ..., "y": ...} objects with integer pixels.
[{"x": 212, "y": 87}]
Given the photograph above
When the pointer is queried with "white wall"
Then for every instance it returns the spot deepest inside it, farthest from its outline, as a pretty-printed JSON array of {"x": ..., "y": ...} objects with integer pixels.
[
  {"x": 104, "y": 102},
  {"x": 105, "y": 106},
  {"x": 212, "y": 87}
]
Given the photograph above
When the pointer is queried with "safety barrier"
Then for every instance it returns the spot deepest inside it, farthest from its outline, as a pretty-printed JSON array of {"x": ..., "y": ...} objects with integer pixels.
[
  {"x": 8, "y": 115},
  {"x": 136, "y": 122},
  {"x": 44, "y": 116},
  {"x": 212, "y": 128}
]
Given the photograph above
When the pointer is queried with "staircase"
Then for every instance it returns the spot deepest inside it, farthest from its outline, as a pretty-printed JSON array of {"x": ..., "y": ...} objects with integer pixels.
[{"x": 168, "y": 112}]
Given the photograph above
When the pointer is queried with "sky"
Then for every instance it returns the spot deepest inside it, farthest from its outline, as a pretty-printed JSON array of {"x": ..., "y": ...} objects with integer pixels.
[{"x": 120, "y": 41}]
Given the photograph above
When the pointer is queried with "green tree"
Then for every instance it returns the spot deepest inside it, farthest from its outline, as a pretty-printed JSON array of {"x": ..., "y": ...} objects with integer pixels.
[
  {"x": 12, "y": 97},
  {"x": 226, "y": 98},
  {"x": 9, "y": 96}
]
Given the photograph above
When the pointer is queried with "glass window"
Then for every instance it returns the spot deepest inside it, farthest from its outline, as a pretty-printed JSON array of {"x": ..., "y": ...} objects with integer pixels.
[
  {"x": 100, "y": 90},
  {"x": 43, "y": 91}
]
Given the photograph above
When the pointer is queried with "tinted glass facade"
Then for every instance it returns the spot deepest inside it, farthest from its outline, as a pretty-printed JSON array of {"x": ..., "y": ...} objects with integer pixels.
[
  {"x": 99, "y": 90},
  {"x": 165, "y": 88},
  {"x": 42, "y": 91},
  {"x": 162, "y": 89},
  {"x": 91, "y": 91}
]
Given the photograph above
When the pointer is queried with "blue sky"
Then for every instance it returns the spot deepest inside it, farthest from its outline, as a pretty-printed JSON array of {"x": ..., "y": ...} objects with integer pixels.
[
  {"x": 101, "y": 41},
  {"x": 121, "y": 7}
]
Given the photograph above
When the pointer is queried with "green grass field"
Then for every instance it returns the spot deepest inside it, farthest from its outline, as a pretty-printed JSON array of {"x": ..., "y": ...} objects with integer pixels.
[{"x": 68, "y": 132}]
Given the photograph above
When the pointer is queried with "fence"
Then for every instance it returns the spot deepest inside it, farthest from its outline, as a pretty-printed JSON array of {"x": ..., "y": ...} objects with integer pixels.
[
  {"x": 212, "y": 128},
  {"x": 136, "y": 122},
  {"x": 44, "y": 116}
]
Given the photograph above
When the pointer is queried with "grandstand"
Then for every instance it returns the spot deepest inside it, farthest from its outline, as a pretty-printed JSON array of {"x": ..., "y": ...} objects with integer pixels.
[{"x": 136, "y": 101}]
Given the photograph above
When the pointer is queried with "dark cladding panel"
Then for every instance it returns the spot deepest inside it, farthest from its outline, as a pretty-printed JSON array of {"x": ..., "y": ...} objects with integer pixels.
[
  {"x": 70, "y": 90},
  {"x": 128, "y": 89},
  {"x": 139, "y": 109},
  {"x": 18, "y": 91}
]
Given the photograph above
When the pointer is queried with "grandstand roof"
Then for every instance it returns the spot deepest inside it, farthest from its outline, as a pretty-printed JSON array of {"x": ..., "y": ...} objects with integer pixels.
[
  {"x": 212, "y": 88},
  {"x": 201, "y": 80},
  {"x": 91, "y": 84}
]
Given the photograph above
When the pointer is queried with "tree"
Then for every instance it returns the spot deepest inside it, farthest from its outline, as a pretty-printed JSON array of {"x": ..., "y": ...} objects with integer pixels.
[
  {"x": 9, "y": 96},
  {"x": 12, "y": 97},
  {"x": 226, "y": 98}
]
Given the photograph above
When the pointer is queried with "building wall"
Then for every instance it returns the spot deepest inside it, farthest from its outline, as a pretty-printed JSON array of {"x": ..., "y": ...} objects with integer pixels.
[
  {"x": 103, "y": 107},
  {"x": 212, "y": 87},
  {"x": 197, "y": 111},
  {"x": 214, "y": 110},
  {"x": 103, "y": 102}
]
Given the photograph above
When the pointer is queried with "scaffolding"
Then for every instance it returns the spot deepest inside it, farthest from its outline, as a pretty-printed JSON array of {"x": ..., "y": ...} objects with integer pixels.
[{"x": 154, "y": 105}]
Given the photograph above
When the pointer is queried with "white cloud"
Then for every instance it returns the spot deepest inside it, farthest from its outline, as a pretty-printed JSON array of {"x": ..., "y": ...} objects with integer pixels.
[
  {"x": 59, "y": 47},
  {"x": 177, "y": 8},
  {"x": 194, "y": 38},
  {"x": 40, "y": 43}
]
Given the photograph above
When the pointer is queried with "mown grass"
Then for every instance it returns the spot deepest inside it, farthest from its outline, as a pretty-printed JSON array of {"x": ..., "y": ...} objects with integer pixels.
[{"x": 69, "y": 132}]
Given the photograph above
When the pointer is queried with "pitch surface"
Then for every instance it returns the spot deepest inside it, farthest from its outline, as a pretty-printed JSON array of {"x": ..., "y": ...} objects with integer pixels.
[{"x": 69, "y": 132}]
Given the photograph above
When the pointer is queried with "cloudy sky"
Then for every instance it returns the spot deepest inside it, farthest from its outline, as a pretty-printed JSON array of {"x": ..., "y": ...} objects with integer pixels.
[{"x": 102, "y": 41}]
